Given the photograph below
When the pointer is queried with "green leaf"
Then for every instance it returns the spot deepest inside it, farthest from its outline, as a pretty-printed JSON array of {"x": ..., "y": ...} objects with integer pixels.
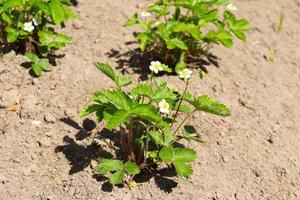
[
  {"x": 89, "y": 108},
  {"x": 131, "y": 168},
  {"x": 43, "y": 64},
  {"x": 182, "y": 170},
  {"x": 12, "y": 4},
  {"x": 207, "y": 104},
  {"x": 166, "y": 68},
  {"x": 122, "y": 80},
  {"x": 110, "y": 165},
  {"x": 107, "y": 70},
  {"x": 57, "y": 12},
  {"x": 157, "y": 137},
  {"x": 172, "y": 43},
  {"x": 169, "y": 137},
  {"x": 37, "y": 69},
  {"x": 181, "y": 64},
  {"x": 148, "y": 112},
  {"x": 189, "y": 28},
  {"x": 166, "y": 154},
  {"x": 134, "y": 20},
  {"x": 117, "y": 97},
  {"x": 225, "y": 38},
  {"x": 119, "y": 117},
  {"x": 117, "y": 177},
  {"x": 6, "y": 18},
  {"x": 158, "y": 9},
  {"x": 62, "y": 38},
  {"x": 32, "y": 56},
  {"x": 11, "y": 37},
  {"x": 170, "y": 154},
  {"x": 184, "y": 155},
  {"x": 143, "y": 89}
]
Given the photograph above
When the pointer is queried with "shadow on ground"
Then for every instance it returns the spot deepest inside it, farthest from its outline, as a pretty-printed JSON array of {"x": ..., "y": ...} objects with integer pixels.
[
  {"x": 139, "y": 61},
  {"x": 80, "y": 155}
]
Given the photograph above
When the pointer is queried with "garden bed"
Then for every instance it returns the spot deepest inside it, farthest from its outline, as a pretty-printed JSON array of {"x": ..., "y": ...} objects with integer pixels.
[{"x": 254, "y": 154}]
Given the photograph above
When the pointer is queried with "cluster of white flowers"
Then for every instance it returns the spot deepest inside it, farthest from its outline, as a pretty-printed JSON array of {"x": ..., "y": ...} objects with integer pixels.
[{"x": 185, "y": 74}]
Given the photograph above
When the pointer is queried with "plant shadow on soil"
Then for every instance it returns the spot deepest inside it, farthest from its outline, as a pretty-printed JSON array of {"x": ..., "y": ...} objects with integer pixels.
[
  {"x": 80, "y": 156},
  {"x": 51, "y": 58},
  {"x": 139, "y": 61}
]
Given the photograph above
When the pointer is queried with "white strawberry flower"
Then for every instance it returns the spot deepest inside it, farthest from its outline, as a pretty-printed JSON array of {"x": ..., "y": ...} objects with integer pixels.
[
  {"x": 145, "y": 14},
  {"x": 164, "y": 106},
  {"x": 231, "y": 7},
  {"x": 28, "y": 27},
  {"x": 185, "y": 74},
  {"x": 156, "y": 66}
]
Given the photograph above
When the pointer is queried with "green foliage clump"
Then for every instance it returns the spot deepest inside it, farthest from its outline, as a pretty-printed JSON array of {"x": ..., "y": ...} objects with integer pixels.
[
  {"x": 147, "y": 119},
  {"x": 28, "y": 26},
  {"x": 181, "y": 32}
]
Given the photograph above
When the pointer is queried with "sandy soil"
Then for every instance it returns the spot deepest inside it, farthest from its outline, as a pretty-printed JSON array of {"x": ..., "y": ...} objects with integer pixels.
[{"x": 254, "y": 154}]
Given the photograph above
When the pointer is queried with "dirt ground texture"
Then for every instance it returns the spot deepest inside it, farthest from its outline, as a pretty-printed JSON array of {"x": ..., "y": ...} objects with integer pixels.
[{"x": 254, "y": 154}]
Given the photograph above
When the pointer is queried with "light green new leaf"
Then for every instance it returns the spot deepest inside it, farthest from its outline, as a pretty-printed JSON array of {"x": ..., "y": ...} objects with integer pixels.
[
  {"x": 225, "y": 38},
  {"x": 110, "y": 165},
  {"x": 167, "y": 154},
  {"x": 184, "y": 155},
  {"x": 117, "y": 177},
  {"x": 131, "y": 168},
  {"x": 44, "y": 65},
  {"x": 182, "y": 170},
  {"x": 37, "y": 69},
  {"x": 32, "y": 56}
]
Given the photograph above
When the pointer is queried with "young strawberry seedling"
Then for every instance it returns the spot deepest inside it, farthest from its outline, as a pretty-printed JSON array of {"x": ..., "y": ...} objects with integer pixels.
[
  {"x": 28, "y": 26},
  {"x": 147, "y": 118},
  {"x": 181, "y": 32}
]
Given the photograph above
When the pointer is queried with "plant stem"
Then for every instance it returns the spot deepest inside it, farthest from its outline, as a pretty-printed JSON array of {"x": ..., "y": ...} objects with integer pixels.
[
  {"x": 130, "y": 142},
  {"x": 184, "y": 120},
  {"x": 180, "y": 102}
]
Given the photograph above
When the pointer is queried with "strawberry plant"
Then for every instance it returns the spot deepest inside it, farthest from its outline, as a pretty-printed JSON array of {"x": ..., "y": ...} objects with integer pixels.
[
  {"x": 181, "y": 32},
  {"x": 150, "y": 118},
  {"x": 28, "y": 26}
]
